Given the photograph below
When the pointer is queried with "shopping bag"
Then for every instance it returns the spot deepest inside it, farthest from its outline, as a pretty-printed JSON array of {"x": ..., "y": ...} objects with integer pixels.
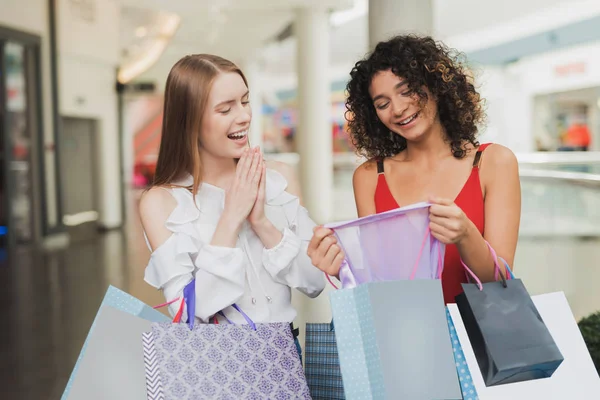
[
  {"x": 393, "y": 341},
  {"x": 507, "y": 333},
  {"x": 393, "y": 245},
  {"x": 322, "y": 366},
  {"x": 464, "y": 374},
  {"x": 119, "y": 300},
  {"x": 113, "y": 366},
  {"x": 575, "y": 378},
  {"x": 321, "y": 362},
  {"x": 223, "y": 361}
]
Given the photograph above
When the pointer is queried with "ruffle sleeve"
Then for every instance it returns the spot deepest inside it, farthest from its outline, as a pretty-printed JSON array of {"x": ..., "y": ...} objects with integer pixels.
[{"x": 219, "y": 271}]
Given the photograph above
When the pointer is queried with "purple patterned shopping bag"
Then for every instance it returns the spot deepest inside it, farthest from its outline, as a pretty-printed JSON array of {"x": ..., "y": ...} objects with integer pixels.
[{"x": 225, "y": 361}]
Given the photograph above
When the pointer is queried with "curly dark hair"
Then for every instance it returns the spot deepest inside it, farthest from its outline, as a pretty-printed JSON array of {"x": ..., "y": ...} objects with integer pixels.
[{"x": 420, "y": 62}]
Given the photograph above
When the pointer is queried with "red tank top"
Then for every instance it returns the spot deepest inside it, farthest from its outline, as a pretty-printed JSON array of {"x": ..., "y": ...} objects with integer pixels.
[{"x": 470, "y": 200}]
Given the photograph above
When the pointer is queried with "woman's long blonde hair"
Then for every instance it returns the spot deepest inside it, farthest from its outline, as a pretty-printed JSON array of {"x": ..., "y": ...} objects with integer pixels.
[{"x": 186, "y": 95}]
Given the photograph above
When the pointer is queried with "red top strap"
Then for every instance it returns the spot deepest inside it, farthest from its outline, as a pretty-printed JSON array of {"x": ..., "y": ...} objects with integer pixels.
[{"x": 484, "y": 146}]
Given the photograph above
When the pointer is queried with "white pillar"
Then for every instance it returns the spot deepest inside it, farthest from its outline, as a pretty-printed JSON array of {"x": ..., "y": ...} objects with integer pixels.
[
  {"x": 392, "y": 17},
  {"x": 252, "y": 72},
  {"x": 108, "y": 165},
  {"x": 314, "y": 138}
]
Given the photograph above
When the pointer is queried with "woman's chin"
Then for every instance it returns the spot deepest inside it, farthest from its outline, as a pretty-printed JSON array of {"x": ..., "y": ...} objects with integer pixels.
[
  {"x": 411, "y": 136},
  {"x": 414, "y": 134},
  {"x": 237, "y": 153}
]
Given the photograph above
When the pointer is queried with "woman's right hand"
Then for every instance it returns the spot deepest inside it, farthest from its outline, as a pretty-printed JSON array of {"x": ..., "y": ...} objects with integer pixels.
[
  {"x": 241, "y": 195},
  {"x": 324, "y": 252}
]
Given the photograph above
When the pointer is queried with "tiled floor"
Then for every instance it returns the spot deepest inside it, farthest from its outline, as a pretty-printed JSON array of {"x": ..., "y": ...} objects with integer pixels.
[{"x": 48, "y": 300}]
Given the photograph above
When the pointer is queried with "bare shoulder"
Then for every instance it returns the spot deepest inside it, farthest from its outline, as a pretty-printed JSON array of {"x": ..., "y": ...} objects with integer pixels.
[
  {"x": 365, "y": 175},
  {"x": 364, "y": 182},
  {"x": 289, "y": 173},
  {"x": 156, "y": 205},
  {"x": 499, "y": 170},
  {"x": 497, "y": 156},
  {"x": 157, "y": 200}
]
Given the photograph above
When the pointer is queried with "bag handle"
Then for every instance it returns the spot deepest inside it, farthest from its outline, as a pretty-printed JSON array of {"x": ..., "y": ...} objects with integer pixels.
[
  {"x": 329, "y": 277},
  {"x": 189, "y": 298},
  {"x": 509, "y": 274},
  {"x": 168, "y": 303},
  {"x": 246, "y": 317},
  {"x": 440, "y": 261}
]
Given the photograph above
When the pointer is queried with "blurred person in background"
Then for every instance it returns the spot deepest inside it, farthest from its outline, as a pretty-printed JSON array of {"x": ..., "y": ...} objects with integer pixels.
[
  {"x": 215, "y": 212},
  {"x": 414, "y": 115},
  {"x": 577, "y": 137}
]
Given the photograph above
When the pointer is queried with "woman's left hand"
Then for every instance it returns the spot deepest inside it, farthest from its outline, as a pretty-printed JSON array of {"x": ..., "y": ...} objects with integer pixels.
[
  {"x": 257, "y": 215},
  {"x": 448, "y": 223}
]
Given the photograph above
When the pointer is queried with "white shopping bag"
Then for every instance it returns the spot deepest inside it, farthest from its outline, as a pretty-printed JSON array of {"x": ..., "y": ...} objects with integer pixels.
[{"x": 575, "y": 378}]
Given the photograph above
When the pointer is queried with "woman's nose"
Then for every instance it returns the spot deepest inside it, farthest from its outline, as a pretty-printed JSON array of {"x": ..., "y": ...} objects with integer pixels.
[{"x": 399, "y": 107}]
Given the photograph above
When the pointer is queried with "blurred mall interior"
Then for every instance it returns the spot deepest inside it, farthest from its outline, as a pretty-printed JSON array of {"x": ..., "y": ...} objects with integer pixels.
[{"x": 81, "y": 85}]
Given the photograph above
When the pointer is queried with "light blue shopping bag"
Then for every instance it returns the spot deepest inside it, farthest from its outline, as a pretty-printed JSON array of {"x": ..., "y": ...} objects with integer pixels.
[
  {"x": 393, "y": 341},
  {"x": 464, "y": 375},
  {"x": 122, "y": 301}
]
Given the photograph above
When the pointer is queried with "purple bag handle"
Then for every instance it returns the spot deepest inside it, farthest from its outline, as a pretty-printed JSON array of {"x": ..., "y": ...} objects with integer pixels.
[
  {"x": 246, "y": 317},
  {"x": 189, "y": 297}
]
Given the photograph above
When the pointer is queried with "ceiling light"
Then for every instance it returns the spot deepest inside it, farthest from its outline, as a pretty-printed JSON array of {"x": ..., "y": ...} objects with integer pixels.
[{"x": 141, "y": 64}]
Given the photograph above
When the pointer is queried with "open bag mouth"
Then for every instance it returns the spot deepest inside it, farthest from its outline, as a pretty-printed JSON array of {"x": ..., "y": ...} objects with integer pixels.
[
  {"x": 376, "y": 217},
  {"x": 395, "y": 245}
]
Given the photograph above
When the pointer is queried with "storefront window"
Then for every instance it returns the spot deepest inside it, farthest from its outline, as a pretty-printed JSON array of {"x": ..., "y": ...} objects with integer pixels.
[{"x": 17, "y": 154}]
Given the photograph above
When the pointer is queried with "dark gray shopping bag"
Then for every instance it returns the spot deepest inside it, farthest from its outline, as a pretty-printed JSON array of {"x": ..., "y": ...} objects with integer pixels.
[
  {"x": 509, "y": 337},
  {"x": 576, "y": 378},
  {"x": 393, "y": 341}
]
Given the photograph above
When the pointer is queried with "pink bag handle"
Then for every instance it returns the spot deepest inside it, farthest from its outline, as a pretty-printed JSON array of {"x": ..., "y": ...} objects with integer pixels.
[
  {"x": 177, "y": 317},
  {"x": 168, "y": 303},
  {"x": 496, "y": 268},
  {"x": 440, "y": 261},
  {"x": 329, "y": 280}
]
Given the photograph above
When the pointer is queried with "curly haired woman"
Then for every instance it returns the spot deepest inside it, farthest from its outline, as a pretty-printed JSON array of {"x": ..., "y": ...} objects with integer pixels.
[{"x": 415, "y": 113}]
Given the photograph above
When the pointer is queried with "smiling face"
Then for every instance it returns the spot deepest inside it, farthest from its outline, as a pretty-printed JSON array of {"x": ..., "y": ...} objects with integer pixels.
[
  {"x": 399, "y": 109},
  {"x": 227, "y": 117}
]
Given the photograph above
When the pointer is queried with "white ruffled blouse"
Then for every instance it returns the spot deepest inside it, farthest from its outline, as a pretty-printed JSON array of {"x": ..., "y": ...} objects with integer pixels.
[{"x": 257, "y": 279}]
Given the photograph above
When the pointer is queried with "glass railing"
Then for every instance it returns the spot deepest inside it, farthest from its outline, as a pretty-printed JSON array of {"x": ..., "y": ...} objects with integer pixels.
[
  {"x": 560, "y": 191},
  {"x": 560, "y": 203},
  {"x": 559, "y": 242},
  {"x": 560, "y": 194}
]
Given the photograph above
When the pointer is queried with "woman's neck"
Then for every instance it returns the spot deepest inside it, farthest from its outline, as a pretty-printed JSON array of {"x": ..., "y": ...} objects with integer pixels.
[
  {"x": 431, "y": 148},
  {"x": 217, "y": 171}
]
